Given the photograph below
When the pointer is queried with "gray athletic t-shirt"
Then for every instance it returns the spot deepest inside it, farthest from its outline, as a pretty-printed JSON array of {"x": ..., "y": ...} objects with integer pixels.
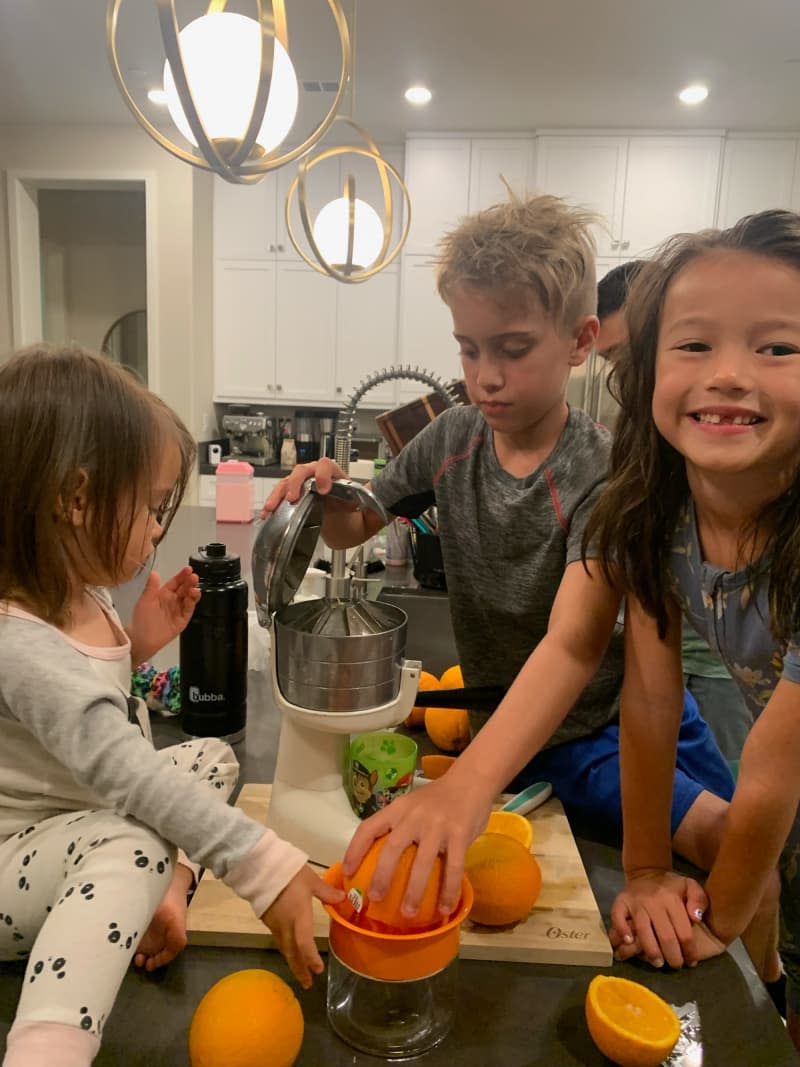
[{"x": 505, "y": 543}]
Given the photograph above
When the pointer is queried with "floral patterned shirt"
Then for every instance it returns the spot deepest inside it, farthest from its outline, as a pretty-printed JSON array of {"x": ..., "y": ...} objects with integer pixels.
[{"x": 730, "y": 611}]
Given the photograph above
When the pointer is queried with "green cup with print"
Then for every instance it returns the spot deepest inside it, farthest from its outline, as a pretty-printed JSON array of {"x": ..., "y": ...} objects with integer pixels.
[{"x": 379, "y": 768}]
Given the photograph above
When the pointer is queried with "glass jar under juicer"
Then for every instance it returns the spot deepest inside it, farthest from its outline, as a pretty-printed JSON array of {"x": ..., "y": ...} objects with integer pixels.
[{"x": 337, "y": 669}]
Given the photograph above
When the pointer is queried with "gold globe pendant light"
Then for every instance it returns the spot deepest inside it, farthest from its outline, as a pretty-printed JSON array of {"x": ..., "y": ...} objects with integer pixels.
[
  {"x": 349, "y": 240},
  {"x": 230, "y": 86}
]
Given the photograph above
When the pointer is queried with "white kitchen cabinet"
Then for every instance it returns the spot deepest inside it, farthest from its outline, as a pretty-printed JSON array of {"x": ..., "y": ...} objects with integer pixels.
[
  {"x": 249, "y": 220},
  {"x": 757, "y": 174},
  {"x": 244, "y": 330},
  {"x": 495, "y": 159},
  {"x": 305, "y": 334},
  {"x": 366, "y": 336},
  {"x": 590, "y": 172},
  {"x": 645, "y": 187},
  {"x": 437, "y": 178},
  {"x": 426, "y": 328},
  {"x": 671, "y": 187}
]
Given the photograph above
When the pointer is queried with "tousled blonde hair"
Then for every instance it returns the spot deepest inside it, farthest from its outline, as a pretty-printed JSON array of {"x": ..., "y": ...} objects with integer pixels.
[{"x": 541, "y": 249}]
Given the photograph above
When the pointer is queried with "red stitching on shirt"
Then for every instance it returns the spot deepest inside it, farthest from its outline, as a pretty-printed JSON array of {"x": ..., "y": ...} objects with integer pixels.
[
  {"x": 554, "y": 497},
  {"x": 456, "y": 459}
]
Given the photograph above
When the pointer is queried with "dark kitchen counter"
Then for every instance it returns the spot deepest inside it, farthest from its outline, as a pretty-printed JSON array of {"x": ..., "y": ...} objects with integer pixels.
[{"x": 515, "y": 1015}]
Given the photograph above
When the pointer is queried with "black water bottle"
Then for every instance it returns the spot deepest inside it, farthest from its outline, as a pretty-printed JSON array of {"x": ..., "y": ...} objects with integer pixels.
[{"x": 214, "y": 649}]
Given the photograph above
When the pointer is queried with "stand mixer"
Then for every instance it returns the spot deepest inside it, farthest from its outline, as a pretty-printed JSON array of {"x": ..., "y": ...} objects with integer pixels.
[{"x": 337, "y": 669}]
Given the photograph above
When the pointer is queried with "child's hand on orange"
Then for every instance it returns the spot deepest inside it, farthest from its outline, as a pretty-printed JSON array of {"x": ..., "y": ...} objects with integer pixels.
[
  {"x": 291, "y": 922},
  {"x": 442, "y": 819}
]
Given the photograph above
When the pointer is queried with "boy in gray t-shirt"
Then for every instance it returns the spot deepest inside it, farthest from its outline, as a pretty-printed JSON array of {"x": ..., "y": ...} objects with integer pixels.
[{"x": 514, "y": 477}]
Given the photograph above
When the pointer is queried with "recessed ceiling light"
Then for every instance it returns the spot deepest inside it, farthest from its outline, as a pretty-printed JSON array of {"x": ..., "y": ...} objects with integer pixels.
[
  {"x": 157, "y": 96},
  {"x": 693, "y": 94},
  {"x": 418, "y": 94}
]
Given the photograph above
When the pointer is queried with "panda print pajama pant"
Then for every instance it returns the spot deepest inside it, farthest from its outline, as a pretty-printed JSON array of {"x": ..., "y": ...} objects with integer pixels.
[{"x": 77, "y": 892}]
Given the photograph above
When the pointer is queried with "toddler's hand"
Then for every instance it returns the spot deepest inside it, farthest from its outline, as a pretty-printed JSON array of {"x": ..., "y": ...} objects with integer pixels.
[
  {"x": 165, "y": 937},
  {"x": 290, "y": 919},
  {"x": 162, "y": 612}
]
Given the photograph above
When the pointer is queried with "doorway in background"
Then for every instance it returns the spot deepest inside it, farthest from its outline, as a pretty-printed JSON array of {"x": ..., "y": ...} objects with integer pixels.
[{"x": 93, "y": 261}]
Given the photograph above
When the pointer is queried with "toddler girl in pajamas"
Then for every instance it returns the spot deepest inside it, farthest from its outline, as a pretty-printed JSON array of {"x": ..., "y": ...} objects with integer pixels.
[{"x": 100, "y": 834}]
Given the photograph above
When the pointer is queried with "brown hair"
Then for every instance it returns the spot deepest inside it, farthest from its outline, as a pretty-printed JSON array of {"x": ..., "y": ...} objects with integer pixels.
[
  {"x": 634, "y": 521},
  {"x": 539, "y": 247},
  {"x": 67, "y": 417}
]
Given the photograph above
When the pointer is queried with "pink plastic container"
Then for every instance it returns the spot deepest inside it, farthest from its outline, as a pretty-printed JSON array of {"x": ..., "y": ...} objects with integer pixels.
[{"x": 235, "y": 491}]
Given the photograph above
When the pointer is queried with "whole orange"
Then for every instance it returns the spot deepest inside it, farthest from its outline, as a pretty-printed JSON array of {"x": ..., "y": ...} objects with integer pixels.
[
  {"x": 247, "y": 1019},
  {"x": 387, "y": 911},
  {"x": 427, "y": 682},
  {"x": 452, "y": 678},
  {"x": 505, "y": 878},
  {"x": 448, "y": 728}
]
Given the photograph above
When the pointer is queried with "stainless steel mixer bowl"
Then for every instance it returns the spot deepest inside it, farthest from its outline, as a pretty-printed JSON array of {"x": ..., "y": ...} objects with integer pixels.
[{"x": 339, "y": 655}]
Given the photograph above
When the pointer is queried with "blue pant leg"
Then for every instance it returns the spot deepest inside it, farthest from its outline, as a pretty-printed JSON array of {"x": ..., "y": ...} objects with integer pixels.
[{"x": 585, "y": 773}]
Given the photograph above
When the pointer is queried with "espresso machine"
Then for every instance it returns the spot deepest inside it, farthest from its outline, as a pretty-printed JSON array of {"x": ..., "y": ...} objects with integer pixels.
[{"x": 252, "y": 436}]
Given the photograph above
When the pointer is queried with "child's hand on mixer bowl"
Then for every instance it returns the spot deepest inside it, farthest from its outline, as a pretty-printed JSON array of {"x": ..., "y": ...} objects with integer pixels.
[
  {"x": 290, "y": 488},
  {"x": 442, "y": 819},
  {"x": 291, "y": 921}
]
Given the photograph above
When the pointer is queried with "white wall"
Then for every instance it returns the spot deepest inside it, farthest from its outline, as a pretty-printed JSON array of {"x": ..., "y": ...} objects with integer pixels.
[{"x": 183, "y": 239}]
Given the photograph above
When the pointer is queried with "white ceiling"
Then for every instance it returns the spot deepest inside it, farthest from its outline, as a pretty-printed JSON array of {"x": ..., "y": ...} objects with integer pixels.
[{"x": 491, "y": 64}]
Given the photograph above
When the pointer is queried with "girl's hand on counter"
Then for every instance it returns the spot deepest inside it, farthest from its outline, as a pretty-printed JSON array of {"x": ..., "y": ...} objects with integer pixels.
[
  {"x": 290, "y": 488},
  {"x": 441, "y": 819},
  {"x": 291, "y": 921},
  {"x": 654, "y": 917}
]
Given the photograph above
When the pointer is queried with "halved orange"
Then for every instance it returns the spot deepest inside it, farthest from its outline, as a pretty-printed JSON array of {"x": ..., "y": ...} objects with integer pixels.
[
  {"x": 436, "y": 764},
  {"x": 629, "y": 1023},
  {"x": 512, "y": 824}
]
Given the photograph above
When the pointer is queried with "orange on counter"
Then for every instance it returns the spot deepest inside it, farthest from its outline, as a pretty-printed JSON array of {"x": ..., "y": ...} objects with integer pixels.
[
  {"x": 448, "y": 728},
  {"x": 387, "y": 911},
  {"x": 452, "y": 678},
  {"x": 505, "y": 879},
  {"x": 427, "y": 682},
  {"x": 247, "y": 1019},
  {"x": 629, "y": 1023},
  {"x": 435, "y": 765}
]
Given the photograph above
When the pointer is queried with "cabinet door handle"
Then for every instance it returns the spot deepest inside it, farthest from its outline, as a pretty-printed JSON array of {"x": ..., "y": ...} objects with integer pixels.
[
  {"x": 338, "y": 389},
  {"x": 615, "y": 244},
  {"x": 271, "y": 247},
  {"x": 281, "y": 248},
  {"x": 626, "y": 245},
  {"x": 279, "y": 388}
]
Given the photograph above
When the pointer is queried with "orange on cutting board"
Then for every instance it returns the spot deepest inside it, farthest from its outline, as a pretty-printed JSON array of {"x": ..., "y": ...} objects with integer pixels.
[
  {"x": 512, "y": 824},
  {"x": 629, "y": 1023},
  {"x": 427, "y": 682},
  {"x": 505, "y": 879},
  {"x": 241, "y": 1017},
  {"x": 387, "y": 911},
  {"x": 435, "y": 764}
]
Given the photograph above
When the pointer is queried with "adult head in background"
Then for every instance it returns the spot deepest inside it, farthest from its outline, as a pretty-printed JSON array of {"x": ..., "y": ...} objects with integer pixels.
[{"x": 612, "y": 292}]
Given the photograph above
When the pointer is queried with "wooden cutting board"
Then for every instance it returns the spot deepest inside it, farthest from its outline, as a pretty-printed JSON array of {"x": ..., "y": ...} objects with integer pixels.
[{"x": 564, "y": 927}]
